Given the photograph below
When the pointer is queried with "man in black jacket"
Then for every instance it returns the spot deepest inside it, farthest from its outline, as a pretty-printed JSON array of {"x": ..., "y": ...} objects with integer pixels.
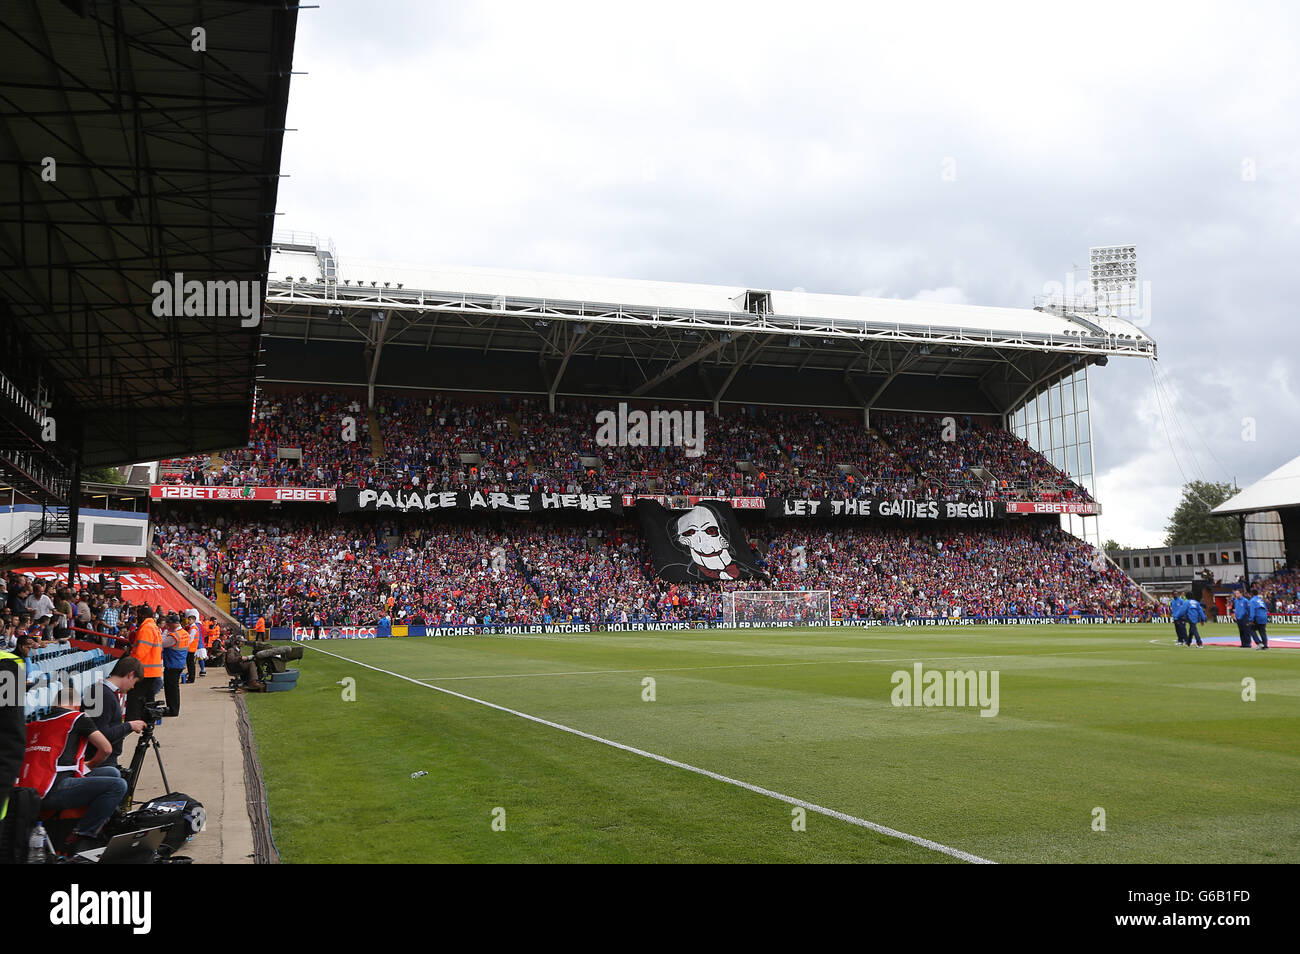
[{"x": 103, "y": 702}]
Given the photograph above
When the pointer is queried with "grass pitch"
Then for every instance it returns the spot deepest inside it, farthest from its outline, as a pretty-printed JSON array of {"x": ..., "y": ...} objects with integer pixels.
[{"x": 1115, "y": 718}]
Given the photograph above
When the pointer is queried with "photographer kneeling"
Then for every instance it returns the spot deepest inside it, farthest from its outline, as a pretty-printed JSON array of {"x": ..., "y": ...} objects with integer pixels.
[{"x": 55, "y": 765}]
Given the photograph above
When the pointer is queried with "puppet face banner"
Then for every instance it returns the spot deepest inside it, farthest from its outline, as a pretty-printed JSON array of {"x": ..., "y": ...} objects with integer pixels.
[{"x": 697, "y": 545}]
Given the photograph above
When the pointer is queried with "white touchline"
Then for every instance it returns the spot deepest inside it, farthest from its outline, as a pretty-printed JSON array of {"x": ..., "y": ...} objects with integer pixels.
[{"x": 789, "y": 800}]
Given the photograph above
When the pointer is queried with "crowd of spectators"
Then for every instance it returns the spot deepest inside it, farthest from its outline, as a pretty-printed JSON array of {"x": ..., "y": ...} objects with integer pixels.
[
  {"x": 945, "y": 457},
  {"x": 1281, "y": 591},
  {"x": 517, "y": 444},
  {"x": 328, "y": 434},
  {"x": 54, "y": 612},
  {"x": 193, "y": 551},
  {"x": 448, "y": 570}
]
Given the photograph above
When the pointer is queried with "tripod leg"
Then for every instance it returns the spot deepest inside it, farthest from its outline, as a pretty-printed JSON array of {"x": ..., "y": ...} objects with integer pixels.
[
  {"x": 157, "y": 751},
  {"x": 137, "y": 762}
]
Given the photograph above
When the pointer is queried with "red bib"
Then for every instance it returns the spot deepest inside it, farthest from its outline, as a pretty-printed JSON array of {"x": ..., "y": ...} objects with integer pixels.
[{"x": 46, "y": 740}]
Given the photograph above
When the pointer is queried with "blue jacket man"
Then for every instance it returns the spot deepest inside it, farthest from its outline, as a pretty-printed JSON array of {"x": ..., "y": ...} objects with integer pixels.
[
  {"x": 1178, "y": 610},
  {"x": 1241, "y": 613},
  {"x": 1195, "y": 614},
  {"x": 1259, "y": 617}
]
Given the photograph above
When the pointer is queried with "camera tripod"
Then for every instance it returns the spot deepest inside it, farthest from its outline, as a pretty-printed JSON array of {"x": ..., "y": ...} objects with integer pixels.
[{"x": 147, "y": 740}]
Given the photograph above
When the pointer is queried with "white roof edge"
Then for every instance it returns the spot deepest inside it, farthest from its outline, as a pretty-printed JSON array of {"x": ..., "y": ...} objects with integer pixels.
[
  {"x": 288, "y": 264},
  {"x": 1273, "y": 491}
]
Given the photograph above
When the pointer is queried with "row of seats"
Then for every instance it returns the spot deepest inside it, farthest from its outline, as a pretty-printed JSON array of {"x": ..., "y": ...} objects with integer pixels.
[
  {"x": 56, "y": 668},
  {"x": 68, "y": 662},
  {"x": 45, "y": 652}
]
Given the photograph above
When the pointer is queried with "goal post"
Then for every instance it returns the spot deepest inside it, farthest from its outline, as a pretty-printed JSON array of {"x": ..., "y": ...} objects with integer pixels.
[{"x": 758, "y": 608}]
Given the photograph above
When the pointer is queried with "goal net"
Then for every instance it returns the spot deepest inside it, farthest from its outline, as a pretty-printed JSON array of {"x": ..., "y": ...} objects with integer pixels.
[{"x": 752, "y": 608}]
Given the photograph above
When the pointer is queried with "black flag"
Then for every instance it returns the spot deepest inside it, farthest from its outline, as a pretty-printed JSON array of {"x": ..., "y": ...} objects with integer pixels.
[{"x": 698, "y": 545}]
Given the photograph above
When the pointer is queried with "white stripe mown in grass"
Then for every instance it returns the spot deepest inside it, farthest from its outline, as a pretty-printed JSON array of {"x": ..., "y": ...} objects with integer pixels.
[
  {"x": 813, "y": 662},
  {"x": 757, "y": 789}
]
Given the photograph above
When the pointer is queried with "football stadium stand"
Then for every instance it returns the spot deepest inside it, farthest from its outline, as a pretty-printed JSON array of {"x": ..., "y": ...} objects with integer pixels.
[{"x": 391, "y": 379}]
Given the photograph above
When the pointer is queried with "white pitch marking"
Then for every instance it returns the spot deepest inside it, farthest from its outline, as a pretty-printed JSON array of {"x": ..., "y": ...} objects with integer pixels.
[{"x": 789, "y": 800}]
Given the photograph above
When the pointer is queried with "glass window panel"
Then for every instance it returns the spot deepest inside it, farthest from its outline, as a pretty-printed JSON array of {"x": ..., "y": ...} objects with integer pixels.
[
  {"x": 1067, "y": 398},
  {"x": 1056, "y": 433},
  {"x": 1069, "y": 430},
  {"x": 1031, "y": 413},
  {"x": 1081, "y": 393},
  {"x": 118, "y": 534},
  {"x": 1083, "y": 426},
  {"x": 1054, "y": 400}
]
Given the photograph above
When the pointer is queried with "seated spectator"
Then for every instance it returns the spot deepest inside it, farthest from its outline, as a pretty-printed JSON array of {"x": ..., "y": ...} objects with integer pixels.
[{"x": 55, "y": 765}]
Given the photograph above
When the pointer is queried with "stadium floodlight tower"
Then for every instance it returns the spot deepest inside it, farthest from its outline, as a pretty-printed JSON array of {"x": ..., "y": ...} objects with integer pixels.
[{"x": 1113, "y": 274}]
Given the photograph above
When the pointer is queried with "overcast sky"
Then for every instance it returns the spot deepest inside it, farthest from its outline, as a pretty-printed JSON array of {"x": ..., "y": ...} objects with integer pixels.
[{"x": 969, "y": 152}]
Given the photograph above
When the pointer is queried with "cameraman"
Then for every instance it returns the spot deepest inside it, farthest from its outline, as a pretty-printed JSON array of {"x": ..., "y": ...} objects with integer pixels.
[
  {"x": 238, "y": 665},
  {"x": 104, "y": 700}
]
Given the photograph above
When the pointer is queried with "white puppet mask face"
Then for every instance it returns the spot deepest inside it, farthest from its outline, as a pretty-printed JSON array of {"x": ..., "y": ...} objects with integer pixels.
[{"x": 698, "y": 530}]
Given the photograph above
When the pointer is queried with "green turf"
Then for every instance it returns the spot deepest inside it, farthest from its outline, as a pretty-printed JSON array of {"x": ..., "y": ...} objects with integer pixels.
[{"x": 1090, "y": 717}]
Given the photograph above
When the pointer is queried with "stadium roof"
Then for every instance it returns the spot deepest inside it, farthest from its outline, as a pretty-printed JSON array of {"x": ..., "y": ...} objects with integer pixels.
[
  {"x": 566, "y": 334},
  {"x": 165, "y": 160},
  {"x": 1276, "y": 491}
]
